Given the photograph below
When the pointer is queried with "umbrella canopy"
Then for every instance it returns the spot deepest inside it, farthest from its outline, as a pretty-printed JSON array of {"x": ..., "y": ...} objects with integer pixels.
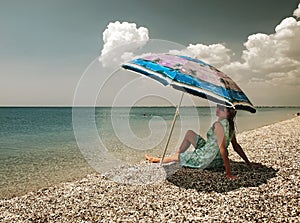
[{"x": 193, "y": 76}]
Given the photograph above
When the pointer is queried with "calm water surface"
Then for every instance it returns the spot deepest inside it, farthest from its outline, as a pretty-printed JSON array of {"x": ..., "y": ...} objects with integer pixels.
[{"x": 38, "y": 147}]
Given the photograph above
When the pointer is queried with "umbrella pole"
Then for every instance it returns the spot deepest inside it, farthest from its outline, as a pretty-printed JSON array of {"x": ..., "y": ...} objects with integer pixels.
[{"x": 171, "y": 130}]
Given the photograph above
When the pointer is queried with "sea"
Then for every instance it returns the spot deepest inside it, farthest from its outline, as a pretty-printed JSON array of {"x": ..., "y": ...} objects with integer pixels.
[{"x": 45, "y": 146}]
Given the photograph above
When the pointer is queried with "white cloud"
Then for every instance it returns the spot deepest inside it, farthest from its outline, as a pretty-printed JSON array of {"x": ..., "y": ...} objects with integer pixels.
[
  {"x": 118, "y": 34},
  {"x": 297, "y": 12},
  {"x": 215, "y": 54},
  {"x": 267, "y": 59},
  {"x": 123, "y": 36},
  {"x": 270, "y": 59}
]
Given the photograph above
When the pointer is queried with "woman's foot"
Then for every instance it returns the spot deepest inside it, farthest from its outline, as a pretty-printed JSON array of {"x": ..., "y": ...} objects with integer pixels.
[{"x": 152, "y": 159}]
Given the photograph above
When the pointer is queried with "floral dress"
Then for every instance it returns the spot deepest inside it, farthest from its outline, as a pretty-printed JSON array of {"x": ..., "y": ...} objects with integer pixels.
[{"x": 207, "y": 153}]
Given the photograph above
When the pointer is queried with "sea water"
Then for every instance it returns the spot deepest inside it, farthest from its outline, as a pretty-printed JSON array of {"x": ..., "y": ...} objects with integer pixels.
[{"x": 39, "y": 148}]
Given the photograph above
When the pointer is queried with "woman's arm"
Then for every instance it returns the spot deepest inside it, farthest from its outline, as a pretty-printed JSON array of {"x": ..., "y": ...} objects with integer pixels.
[
  {"x": 236, "y": 146},
  {"x": 239, "y": 150},
  {"x": 219, "y": 131}
]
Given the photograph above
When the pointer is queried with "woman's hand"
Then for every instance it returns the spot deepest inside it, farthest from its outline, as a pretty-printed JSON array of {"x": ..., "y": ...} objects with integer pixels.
[{"x": 232, "y": 177}]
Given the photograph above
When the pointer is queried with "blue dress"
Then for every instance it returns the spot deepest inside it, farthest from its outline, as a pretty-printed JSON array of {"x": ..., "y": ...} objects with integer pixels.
[{"x": 207, "y": 153}]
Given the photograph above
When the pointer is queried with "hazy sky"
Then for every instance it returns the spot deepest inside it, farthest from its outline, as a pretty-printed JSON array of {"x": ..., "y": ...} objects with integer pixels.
[{"x": 45, "y": 46}]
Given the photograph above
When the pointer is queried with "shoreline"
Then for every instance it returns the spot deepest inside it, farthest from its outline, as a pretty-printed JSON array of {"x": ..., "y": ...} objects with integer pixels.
[{"x": 267, "y": 194}]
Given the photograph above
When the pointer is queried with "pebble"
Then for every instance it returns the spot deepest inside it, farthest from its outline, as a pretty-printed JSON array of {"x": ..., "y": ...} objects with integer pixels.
[{"x": 269, "y": 194}]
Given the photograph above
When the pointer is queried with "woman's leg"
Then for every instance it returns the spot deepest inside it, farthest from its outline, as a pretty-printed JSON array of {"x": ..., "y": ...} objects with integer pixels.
[
  {"x": 189, "y": 138},
  {"x": 167, "y": 159}
]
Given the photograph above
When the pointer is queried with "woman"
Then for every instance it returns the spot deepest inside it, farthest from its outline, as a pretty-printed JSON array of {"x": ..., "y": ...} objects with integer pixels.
[{"x": 213, "y": 152}]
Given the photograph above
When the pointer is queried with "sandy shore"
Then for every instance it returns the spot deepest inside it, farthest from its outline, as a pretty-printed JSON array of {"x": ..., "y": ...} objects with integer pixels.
[{"x": 270, "y": 194}]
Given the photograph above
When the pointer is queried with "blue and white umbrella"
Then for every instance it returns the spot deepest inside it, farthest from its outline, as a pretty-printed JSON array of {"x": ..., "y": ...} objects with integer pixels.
[{"x": 192, "y": 76}]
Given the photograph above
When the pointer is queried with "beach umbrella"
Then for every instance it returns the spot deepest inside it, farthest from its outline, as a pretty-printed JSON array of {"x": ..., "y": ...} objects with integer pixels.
[{"x": 192, "y": 76}]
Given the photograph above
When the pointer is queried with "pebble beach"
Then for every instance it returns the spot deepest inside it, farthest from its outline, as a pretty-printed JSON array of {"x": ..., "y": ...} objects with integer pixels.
[{"x": 268, "y": 194}]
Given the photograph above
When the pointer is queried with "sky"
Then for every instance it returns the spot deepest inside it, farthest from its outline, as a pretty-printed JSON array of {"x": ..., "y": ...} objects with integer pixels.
[{"x": 47, "y": 46}]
